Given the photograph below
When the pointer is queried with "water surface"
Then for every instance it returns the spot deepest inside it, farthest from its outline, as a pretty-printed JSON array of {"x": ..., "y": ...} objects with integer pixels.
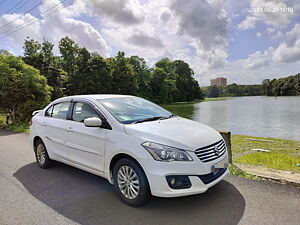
[{"x": 256, "y": 116}]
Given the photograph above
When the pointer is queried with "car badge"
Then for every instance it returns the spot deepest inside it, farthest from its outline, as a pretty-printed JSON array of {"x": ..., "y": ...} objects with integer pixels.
[{"x": 217, "y": 151}]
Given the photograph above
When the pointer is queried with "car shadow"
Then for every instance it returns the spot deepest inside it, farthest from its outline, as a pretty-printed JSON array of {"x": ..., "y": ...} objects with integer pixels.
[{"x": 89, "y": 199}]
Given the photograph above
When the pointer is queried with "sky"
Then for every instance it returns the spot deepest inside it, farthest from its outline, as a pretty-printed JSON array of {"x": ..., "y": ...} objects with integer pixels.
[{"x": 244, "y": 40}]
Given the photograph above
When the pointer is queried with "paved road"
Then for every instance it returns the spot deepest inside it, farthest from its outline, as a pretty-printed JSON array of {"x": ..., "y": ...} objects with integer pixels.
[{"x": 65, "y": 195}]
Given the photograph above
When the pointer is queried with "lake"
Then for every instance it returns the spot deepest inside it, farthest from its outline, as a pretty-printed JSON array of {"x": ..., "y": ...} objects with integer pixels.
[{"x": 255, "y": 116}]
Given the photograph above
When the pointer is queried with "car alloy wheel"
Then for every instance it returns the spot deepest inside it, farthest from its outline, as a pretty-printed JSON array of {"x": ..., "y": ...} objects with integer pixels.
[
  {"x": 128, "y": 182},
  {"x": 41, "y": 154}
]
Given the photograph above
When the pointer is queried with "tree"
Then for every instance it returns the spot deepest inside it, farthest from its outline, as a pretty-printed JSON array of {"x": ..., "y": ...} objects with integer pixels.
[
  {"x": 159, "y": 86},
  {"x": 143, "y": 76},
  {"x": 123, "y": 77},
  {"x": 213, "y": 92},
  {"x": 186, "y": 84},
  {"x": 69, "y": 52},
  {"x": 22, "y": 88},
  {"x": 41, "y": 57}
]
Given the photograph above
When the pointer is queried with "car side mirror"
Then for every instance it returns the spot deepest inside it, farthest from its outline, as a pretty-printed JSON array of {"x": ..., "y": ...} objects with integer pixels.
[{"x": 93, "y": 122}]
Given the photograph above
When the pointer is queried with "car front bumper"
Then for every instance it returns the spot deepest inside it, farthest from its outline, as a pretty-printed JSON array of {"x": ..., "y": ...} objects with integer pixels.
[{"x": 199, "y": 174}]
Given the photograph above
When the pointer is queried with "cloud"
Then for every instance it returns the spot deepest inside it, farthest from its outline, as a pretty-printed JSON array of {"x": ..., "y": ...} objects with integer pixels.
[
  {"x": 144, "y": 40},
  {"x": 206, "y": 22},
  {"x": 274, "y": 34},
  {"x": 9, "y": 23},
  {"x": 56, "y": 26},
  {"x": 289, "y": 50},
  {"x": 248, "y": 23},
  {"x": 125, "y": 12},
  {"x": 201, "y": 20},
  {"x": 259, "y": 59},
  {"x": 269, "y": 12},
  {"x": 258, "y": 34}
]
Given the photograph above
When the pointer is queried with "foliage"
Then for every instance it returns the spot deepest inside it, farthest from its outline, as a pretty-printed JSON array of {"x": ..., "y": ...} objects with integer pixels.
[
  {"x": 287, "y": 86},
  {"x": 233, "y": 90},
  {"x": 77, "y": 71},
  {"x": 40, "y": 56},
  {"x": 22, "y": 88}
]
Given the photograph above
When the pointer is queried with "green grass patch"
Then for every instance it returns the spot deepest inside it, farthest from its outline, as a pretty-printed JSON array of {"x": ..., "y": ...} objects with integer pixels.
[
  {"x": 272, "y": 160},
  {"x": 283, "y": 155}
]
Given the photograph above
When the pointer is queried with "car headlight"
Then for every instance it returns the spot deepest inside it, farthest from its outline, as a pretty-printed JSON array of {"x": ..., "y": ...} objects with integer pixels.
[{"x": 166, "y": 153}]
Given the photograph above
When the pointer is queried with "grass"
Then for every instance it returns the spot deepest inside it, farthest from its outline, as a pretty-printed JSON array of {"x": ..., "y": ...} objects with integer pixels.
[
  {"x": 234, "y": 170},
  {"x": 24, "y": 128},
  {"x": 283, "y": 155},
  {"x": 272, "y": 160}
]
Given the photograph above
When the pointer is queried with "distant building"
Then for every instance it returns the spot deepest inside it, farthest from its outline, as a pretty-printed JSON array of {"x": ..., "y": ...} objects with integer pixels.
[{"x": 220, "y": 82}]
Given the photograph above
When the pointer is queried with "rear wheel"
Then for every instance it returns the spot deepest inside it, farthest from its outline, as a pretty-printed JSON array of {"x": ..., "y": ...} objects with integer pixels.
[
  {"x": 131, "y": 182},
  {"x": 41, "y": 155}
]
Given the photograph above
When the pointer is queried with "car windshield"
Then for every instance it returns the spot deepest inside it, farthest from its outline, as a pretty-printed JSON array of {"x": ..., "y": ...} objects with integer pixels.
[{"x": 133, "y": 109}]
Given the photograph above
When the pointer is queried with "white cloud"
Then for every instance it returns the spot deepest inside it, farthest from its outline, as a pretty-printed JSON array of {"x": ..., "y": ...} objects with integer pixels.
[
  {"x": 13, "y": 22},
  {"x": 269, "y": 12},
  {"x": 289, "y": 50},
  {"x": 248, "y": 23},
  {"x": 258, "y": 34},
  {"x": 259, "y": 59},
  {"x": 56, "y": 26}
]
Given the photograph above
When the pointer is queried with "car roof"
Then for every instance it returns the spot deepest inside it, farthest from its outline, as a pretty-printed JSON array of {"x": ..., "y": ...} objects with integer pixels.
[{"x": 95, "y": 96}]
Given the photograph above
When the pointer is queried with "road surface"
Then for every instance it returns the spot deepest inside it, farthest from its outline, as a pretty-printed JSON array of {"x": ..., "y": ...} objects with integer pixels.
[{"x": 65, "y": 195}]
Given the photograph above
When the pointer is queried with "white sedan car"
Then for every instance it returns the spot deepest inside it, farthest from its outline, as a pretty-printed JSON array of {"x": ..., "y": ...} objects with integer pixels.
[{"x": 139, "y": 147}]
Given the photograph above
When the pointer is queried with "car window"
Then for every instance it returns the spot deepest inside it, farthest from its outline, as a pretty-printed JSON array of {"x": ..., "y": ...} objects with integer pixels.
[
  {"x": 132, "y": 109},
  {"x": 83, "y": 111},
  {"x": 49, "y": 111},
  {"x": 60, "y": 110}
]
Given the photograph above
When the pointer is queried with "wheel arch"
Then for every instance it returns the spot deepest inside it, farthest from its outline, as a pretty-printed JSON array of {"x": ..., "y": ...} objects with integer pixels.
[
  {"x": 35, "y": 139},
  {"x": 116, "y": 158}
]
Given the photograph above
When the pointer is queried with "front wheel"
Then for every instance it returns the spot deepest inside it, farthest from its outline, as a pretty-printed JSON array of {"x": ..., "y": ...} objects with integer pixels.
[
  {"x": 131, "y": 182},
  {"x": 41, "y": 155}
]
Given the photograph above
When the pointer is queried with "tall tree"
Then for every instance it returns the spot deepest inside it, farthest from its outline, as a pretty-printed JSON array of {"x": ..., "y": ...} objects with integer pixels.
[
  {"x": 41, "y": 57},
  {"x": 69, "y": 52},
  {"x": 124, "y": 80},
  {"x": 143, "y": 76},
  {"x": 22, "y": 88}
]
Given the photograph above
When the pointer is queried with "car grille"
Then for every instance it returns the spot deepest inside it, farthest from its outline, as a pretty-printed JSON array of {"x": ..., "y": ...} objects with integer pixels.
[{"x": 211, "y": 152}]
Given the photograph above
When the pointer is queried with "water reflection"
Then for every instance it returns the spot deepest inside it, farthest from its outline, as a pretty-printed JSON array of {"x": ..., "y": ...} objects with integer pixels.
[{"x": 257, "y": 116}]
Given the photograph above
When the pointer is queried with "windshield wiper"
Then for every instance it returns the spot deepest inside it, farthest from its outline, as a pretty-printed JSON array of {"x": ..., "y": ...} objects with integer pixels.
[
  {"x": 172, "y": 115},
  {"x": 150, "y": 119},
  {"x": 154, "y": 118}
]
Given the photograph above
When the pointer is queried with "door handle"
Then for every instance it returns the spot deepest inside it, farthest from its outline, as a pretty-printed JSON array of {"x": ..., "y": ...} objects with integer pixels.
[
  {"x": 70, "y": 129},
  {"x": 44, "y": 124}
]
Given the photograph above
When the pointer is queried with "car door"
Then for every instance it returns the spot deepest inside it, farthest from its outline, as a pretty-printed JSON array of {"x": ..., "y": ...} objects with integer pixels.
[
  {"x": 85, "y": 144},
  {"x": 53, "y": 128}
]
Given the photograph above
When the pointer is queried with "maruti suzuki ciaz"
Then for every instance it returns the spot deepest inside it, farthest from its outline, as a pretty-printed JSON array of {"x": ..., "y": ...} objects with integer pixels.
[{"x": 139, "y": 147}]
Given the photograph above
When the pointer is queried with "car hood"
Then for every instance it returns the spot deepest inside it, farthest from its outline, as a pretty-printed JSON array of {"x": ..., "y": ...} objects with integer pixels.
[{"x": 176, "y": 132}]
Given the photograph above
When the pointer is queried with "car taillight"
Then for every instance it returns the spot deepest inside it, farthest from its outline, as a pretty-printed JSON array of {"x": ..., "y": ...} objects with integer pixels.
[{"x": 30, "y": 122}]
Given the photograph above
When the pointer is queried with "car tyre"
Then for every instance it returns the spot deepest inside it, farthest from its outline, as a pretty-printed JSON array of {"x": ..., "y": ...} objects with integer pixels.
[
  {"x": 41, "y": 155},
  {"x": 131, "y": 183}
]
